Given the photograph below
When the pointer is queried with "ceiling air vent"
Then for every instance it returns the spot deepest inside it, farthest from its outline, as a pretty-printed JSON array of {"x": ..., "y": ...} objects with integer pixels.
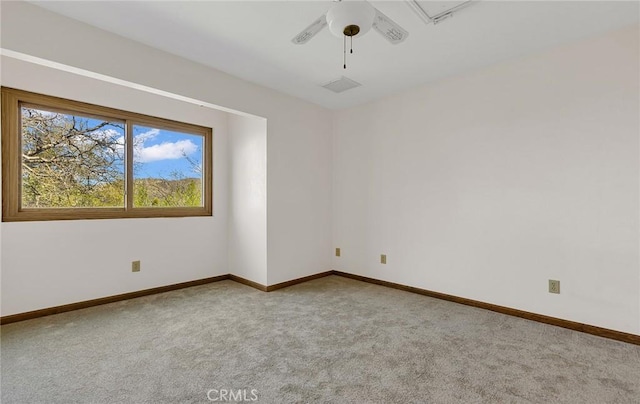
[{"x": 341, "y": 84}]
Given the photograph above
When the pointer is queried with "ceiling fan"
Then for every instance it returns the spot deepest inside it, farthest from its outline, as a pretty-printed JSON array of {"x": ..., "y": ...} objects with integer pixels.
[{"x": 351, "y": 19}]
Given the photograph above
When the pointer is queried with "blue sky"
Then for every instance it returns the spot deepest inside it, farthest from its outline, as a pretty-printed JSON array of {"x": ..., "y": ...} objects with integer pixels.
[
  {"x": 162, "y": 153},
  {"x": 158, "y": 153}
]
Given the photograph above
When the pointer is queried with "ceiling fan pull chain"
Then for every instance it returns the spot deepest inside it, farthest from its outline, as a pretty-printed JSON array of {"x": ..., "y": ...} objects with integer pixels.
[
  {"x": 352, "y": 44},
  {"x": 344, "y": 52}
]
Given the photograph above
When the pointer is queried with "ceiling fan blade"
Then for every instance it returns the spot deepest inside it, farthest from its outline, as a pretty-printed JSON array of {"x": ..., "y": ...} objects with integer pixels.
[
  {"x": 311, "y": 31},
  {"x": 389, "y": 29}
]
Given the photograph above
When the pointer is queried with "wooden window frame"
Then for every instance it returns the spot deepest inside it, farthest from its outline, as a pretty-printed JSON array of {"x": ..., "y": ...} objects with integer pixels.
[{"x": 12, "y": 99}]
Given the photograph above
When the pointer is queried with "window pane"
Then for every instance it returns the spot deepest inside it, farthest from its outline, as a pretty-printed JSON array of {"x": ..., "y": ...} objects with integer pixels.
[
  {"x": 70, "y": 160},
  {"x": 167, "y": 168}
]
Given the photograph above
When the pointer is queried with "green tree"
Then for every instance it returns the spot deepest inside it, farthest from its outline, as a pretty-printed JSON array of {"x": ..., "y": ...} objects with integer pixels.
[{"x": 175, "y": 192}]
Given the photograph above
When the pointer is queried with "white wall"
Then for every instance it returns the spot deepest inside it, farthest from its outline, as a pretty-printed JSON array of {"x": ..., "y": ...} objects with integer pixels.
[
  {"x": 47, "y": 264},
  {"x": 298, "y": 142},
  {"x": 247, "y": 222},
  {"x": 487, "y": 185}
]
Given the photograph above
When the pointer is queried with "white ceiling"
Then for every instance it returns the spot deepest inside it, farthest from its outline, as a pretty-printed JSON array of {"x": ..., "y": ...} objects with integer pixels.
[{"x": 252, "y": 40}]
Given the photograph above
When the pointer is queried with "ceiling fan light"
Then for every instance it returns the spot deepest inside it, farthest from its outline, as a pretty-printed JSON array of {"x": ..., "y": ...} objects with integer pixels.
[{"x": 347, "y": 13}]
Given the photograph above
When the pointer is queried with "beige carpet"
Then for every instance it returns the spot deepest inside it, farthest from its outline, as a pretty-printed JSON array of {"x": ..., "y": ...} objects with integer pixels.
[{"x": 328, "y": 340}]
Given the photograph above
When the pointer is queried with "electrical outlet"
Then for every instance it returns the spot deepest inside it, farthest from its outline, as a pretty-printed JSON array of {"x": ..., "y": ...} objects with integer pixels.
[
  {"x": 135, "y": 266},
  {"x": 337, "y": 252},
  {"x": 383, "y": 258},
  {"x": 554, "y": 286}
]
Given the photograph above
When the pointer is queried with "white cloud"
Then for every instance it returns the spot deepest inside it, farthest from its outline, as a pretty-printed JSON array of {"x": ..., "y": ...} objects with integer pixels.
[
  {"x": 143, "y": 137},
  {"x": 107, "y": 134},
  {"x": 119, "y": 149},
  {"x": 165, "y": 151}
]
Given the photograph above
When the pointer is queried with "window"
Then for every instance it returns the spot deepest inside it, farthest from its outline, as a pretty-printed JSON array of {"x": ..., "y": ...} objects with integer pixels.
[{"x": 63, "y": 159}]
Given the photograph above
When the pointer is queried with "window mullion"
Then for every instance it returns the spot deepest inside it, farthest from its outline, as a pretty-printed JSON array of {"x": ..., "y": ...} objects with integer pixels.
[{"x": 129, "y": 162}]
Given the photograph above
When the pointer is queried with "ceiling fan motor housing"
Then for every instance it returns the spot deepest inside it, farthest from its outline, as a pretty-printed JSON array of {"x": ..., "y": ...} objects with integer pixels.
[
  {"x": 350, "y": 18},
  {"x": 351, "y": 30}
]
